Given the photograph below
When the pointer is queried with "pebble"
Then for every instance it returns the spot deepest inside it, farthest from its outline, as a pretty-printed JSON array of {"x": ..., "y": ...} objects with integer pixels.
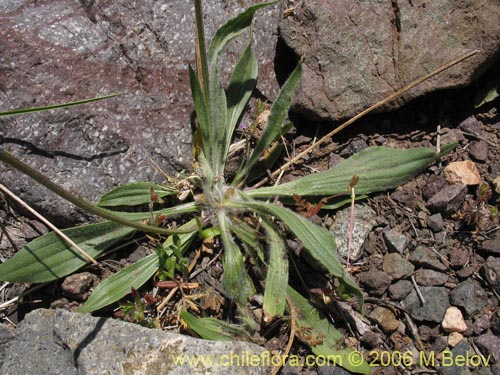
[
  {"x": 433, "y": 184},
  {"x": 426, "y": 277},
  {"x": 78, "y": 285},
  {"x": 482, "y": 324},
  {"x": 372, "y": 339},
  {"x": 453, "y": 320},
  {"x": 334, "y": 160},
  {"x": 495, "y": 323},
  {"x": 478, "y": 150},
  {"x": 385, "y": 318},
  {"x": 492, "y": 245},
  {"x": 400, "y": 289},
  {"x": 434, "y": 308},
  {"x": 448, "y": 200},
  {"x": 491, "y": 271},
  {"x": 375, "y": 281},
  {"x": 395, "y": 241},
  {"x": 353, "y": 148},
  {"x": 489, "y": 344},
  {"x": 454, "y": 339},
  {"x": 396, "y": 266},
  {"x": 425, "y": 257},
  {"x": 470, "y": 296},
  {"x": 458, "y": 257},
  {"x": 435, "y": 222}
]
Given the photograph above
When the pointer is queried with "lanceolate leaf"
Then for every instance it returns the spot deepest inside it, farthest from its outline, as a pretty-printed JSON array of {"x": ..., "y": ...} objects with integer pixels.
[
  {"x": 202, "y": 111},
  {"x": 275, "y": 120},
  {"x": 212, "y": 329},
  {"x": 134, "y": 276},
  {"x": 237, "y": 282},
  {"x": 316, "y": 331},
  {"x": 133, "y": 194},
  {"x": 318, "y": 241},
  {"x": 49, "y": 257},
  {"x": 277, "y": 274},
  {"x": 378, "y": 168}
]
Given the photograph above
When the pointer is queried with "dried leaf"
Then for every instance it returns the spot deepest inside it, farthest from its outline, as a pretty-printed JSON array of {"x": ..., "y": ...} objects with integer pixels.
[{"x": 462, "y": 172}]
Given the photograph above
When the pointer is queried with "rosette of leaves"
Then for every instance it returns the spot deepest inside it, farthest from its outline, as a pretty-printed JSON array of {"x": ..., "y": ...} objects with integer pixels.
[{"x": 218, "y": 204}]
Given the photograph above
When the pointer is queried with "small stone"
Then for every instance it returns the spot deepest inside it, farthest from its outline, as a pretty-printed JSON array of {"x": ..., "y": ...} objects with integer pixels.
[
  {"x": 385, "y": 318},
  {"x": 427, "y": 333},
  {"x": 395, "y": 241},
  {"x": 489, "y": 344},
  {"x": 354, "y": 147},
  {"x": 491, "y": 271},
  {"x": 334, "y": 160},
  {"x": 496, "y": 184},
  {"x": 425, "y": 257},
  {"x": 454, "y": 339},
  {"x": 458, "y": 257},
  {"x": 462, "y": 173},
  {"x": 478, "y": 150},
  {"x": 439, "y": 344},
  {"x": 375, "y": 281},
  {"x": 433, "y": 184},
  {"x": 482, "y": 324},
  {"x": 492, "y": 245},
  {"x": 372, "y": 339},
  {"x": 469, "y": 296},
  {"x": 435, "y": 222},
  {"x": 495, "y": 323},
  {"x": 396, "y": 266},
  {"x": 453, "y": 321},
  {"x": 448, "y": 200},
  {"x": 434, "y": 308},
  {"x": 364, "y": 221},
  {"x": 426, "y": 277},
  {"x": 77, "y": 286},
  {"x": 400, "y": 289}
]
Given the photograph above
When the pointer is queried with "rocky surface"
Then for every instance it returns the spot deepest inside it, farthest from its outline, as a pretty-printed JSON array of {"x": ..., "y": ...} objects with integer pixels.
[
  {"x": 356, "y": 53},
  {"x": 51, "y": 342},
  {"x": 61, "y": 51}
]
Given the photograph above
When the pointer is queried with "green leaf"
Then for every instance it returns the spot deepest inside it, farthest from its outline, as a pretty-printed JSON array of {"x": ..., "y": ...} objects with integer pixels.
[
  {"x": 318, "y": 241},
  {"x": 240, "y": 89},
  {"x": 218, "y": 118},
  {"x": 46, "y": 108},
  {"x": 232, "y": 28},
  {"x": 134, "y": 194},
  {"x": 486, "y": 95},
  {"x": 202, "y": 111},
  {"x": 121, "y": 283},
  {"x": 49, "y": 257},
  {"x": 134, "y": 276},
  {"x": 275, "y": 120},
  {"x": 277, "y": 274},
  {"x": 378, "y": 168},
  {"x": 236, "y": 282},
  {"x": 212, "y": 329},
  {"x": 316, "y": 331},
  {"x": 184, "y": 208}
]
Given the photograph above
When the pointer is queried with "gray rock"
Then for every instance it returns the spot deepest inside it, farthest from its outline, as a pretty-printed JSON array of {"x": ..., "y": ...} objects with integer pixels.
[
  {"x": 364, "y": 222},
  {"x": 69, "y": 50},
  {"x": 6, "y": 336},
  {"x": 396, "y": 266},
  {"x": 469, "y": 296},
  {"x": 458, "y": 257},
  {"x": 433, "y": 184},
  {"x": 400, "y": 289},
  {"x": 489, "y": 344},
  {"x": 77, "y": 286},
  {"x": 426, "y": 277},
  {"x": 425, "y": 257},
  {"x": 357, "y": 53},
  {"x": 434, "y": 308},
  {"x": 491, "y": 270},
  {"x": 435, "y": 222},
  {"x": 375, "y": 281},
  {"x": 453, "y": 368},
  {"x": 61, "y": 342},
  {"x": 395, "y": 241},
  {"x": 492, "y": 245},
  {"x": 448, "y": 200},
  {"x": 478, "y": 150}
]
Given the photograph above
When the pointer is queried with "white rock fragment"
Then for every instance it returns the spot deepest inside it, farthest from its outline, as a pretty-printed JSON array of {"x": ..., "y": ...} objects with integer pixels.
[
  {"x": 454, "y": 339},
  {"x": 453, "y": 320}
]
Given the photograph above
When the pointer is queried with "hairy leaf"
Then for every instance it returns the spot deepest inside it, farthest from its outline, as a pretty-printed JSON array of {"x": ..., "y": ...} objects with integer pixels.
[
  {"x": 202, "y": 111},
  {"x": 49, "y": 257},
  {"x": 134, "y": 194},
  {"x": 316, "y": 331},
  {"x": 212, "y": 329},
  {"x": 378, "y": 168}
]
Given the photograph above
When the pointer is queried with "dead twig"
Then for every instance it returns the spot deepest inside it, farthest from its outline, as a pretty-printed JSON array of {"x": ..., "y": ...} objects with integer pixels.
[
  {"x": 48, "y": 223},
  {"x": 292, "y": 334}
]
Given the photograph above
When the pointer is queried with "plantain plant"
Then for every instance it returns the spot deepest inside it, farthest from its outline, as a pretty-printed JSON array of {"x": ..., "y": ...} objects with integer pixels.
[{"x": 215, "y": 205}]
